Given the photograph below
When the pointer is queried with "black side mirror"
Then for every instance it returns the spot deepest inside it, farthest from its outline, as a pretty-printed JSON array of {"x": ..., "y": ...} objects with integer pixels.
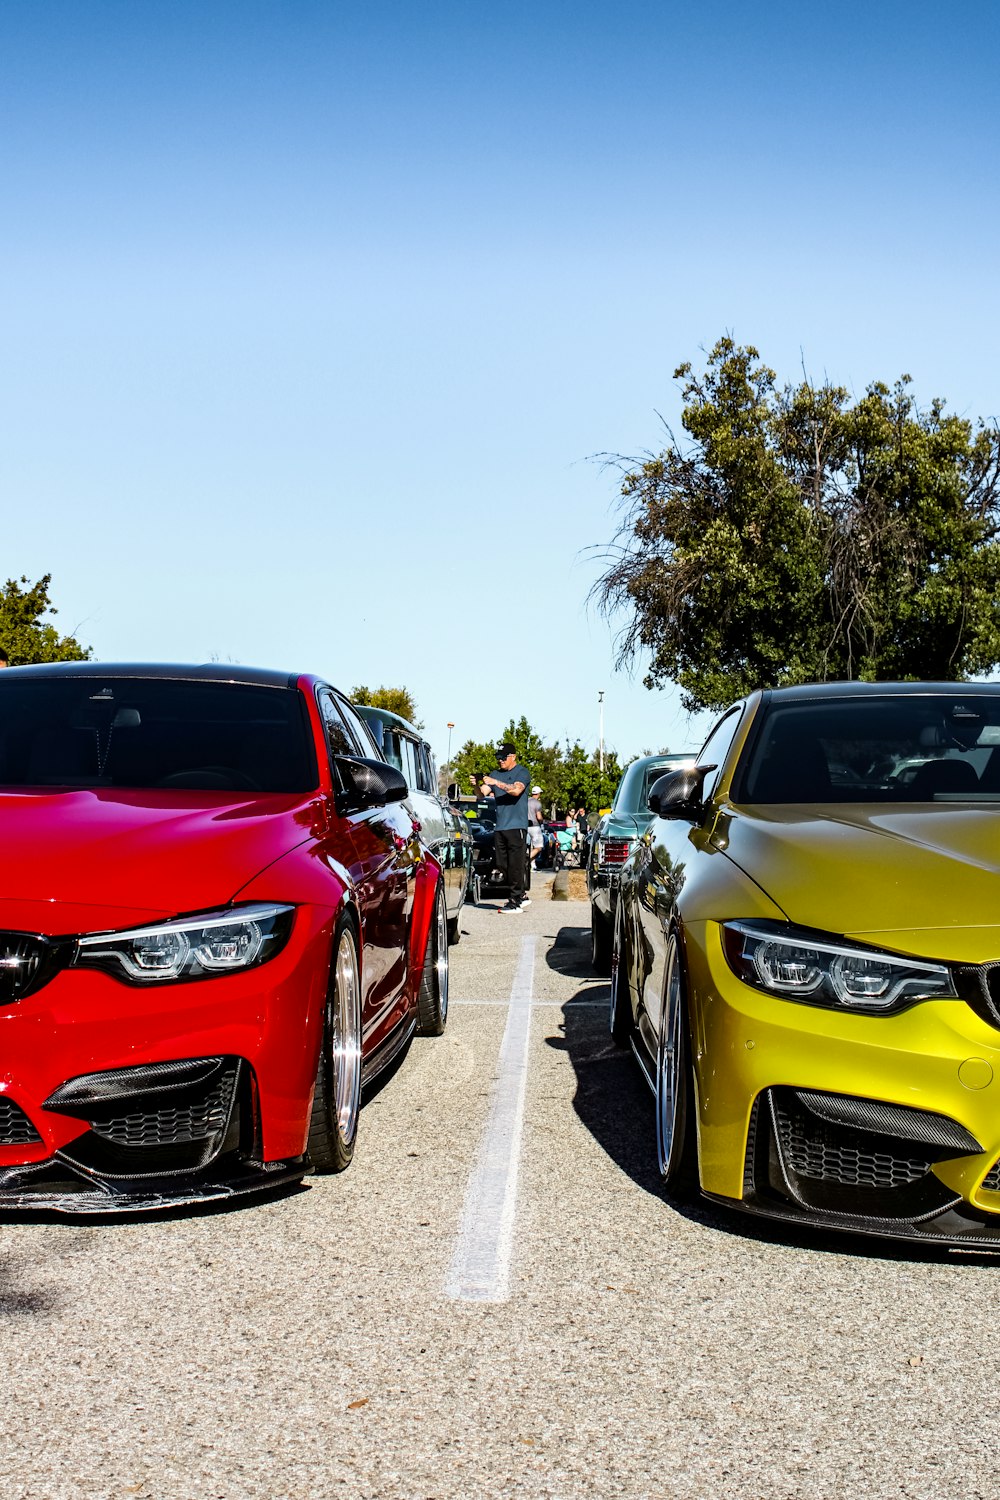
[
  {"x": 368, "y": 783},
  {"x": 678, "y": 793}
]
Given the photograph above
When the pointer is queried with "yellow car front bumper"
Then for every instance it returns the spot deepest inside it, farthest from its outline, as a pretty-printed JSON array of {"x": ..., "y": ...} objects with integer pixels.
[{"x": 763, "y": 1147}]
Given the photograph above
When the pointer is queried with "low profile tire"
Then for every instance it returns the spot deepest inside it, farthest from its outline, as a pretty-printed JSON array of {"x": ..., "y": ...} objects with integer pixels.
[
  {"x": 432, "y": 999},
  {"x": 333, "y": 1125},
  {"x": 676, "y": 1147},
  {"x": 620, "y": 1017},
  {"x": 600, "y": 942}
]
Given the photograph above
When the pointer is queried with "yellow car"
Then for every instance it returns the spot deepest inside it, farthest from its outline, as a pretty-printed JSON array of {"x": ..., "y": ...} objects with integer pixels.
[{"x": 806, "y": 960}]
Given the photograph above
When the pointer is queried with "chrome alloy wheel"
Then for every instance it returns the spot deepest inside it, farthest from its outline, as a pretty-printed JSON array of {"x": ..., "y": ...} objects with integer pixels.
[
  {"x": 670, "y": 1080},
  {"x": 345, "y": 1038},
  {"x": 432, "y": 995},
  {"x": 620, "y": 1011},
  {"x": 441, "y": 954}
]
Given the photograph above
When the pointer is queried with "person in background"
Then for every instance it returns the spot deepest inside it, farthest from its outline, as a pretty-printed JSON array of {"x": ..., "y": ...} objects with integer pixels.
[
  {"x": 4, "y": 658},
  {"x": 536, "y": 836},
  {"x": 583, "y": 834},
  {"x": 509, "y": 790}
]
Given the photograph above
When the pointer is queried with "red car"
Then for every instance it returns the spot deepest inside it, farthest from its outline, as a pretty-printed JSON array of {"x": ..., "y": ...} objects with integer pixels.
[{"x": 217, "y": 922}]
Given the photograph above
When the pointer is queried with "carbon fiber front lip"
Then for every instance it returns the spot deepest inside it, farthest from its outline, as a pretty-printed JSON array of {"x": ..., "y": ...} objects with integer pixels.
[
  {"x": 949, "y": 1228},
  {"x": 106, "y": 1197}
]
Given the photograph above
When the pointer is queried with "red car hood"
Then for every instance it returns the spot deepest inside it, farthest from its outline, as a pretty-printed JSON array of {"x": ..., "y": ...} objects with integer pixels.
[{"x": 73, "y": 861}]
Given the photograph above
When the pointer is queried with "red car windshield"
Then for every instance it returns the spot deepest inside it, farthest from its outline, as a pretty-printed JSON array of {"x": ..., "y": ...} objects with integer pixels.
[{"x": 153, "y": 732}]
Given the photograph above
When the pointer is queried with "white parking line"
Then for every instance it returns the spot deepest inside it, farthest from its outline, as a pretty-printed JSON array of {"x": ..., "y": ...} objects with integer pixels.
[{"x": 480, "y": 1265}]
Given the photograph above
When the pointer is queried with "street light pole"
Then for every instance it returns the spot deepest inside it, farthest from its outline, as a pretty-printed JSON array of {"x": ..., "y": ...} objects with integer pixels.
[
  {"x": 447, "y": 769},
  {"x": 600, "y": 740}
]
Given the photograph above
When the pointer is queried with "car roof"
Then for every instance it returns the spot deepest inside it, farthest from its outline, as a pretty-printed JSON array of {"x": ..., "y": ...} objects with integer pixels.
[
  {"x": 811, "y": 690},
  {"x": 204, "y": 672},
  {"x": 369, "y": 711},
  {"x": 664, "y": 756}
]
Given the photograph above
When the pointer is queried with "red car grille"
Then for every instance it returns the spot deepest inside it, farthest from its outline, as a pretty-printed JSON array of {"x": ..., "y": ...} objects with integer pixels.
[
  {"x": 22, "y": 962},
  {"x": 15, "y": 1127},
  {"x": 614, "y": 851}
]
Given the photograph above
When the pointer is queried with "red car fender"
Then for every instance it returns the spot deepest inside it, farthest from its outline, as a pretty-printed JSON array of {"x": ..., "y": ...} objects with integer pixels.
[
  {"x": 427, "y": 880},
  {"x": 306, "y": 880}
]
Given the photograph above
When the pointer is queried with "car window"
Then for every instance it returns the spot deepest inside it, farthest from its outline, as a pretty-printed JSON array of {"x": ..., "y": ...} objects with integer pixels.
[
  {"x": 338, "y": 737},
  {"x": 363, "y": 736},
  {"x": 645, "y": 784},
  {"x": 919, "y": 747},
  {"x": 392, "y": 749},
  {"x": 716, "y": 748},
  {"x": 426, "y": 777},
  {"x": 154, "y": 732},
  {"x": 409, "y": 762}
]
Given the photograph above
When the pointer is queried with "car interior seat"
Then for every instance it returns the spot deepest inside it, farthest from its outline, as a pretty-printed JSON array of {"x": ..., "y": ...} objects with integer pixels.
[
  {"x": 794, "y": 769},
  {"x": 934, "y": 776}
]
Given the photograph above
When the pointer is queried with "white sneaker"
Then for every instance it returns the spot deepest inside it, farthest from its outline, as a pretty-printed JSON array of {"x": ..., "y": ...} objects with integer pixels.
[
  {"x": 508, "y": 910},
  {"x": 526, "y": 901}
]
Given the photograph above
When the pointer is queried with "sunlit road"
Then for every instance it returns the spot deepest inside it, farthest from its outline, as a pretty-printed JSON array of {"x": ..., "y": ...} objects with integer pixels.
[{"x": 495, "y": 1300}]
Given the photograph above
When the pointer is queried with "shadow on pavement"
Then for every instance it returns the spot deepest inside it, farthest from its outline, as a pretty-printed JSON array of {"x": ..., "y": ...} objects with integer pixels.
[
  {"x": 15, "y": 1301},
  {"x": 611, "y": 1098},
  {"x": 614, "y": 1102}
]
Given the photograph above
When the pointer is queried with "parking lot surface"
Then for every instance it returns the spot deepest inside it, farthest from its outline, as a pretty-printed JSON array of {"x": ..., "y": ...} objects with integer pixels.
[{"x": 495, "y": 1300}]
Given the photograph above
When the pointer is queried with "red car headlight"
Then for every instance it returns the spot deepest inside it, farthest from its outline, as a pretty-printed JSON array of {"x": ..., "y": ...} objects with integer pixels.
[{"x": 198, "y": 947}]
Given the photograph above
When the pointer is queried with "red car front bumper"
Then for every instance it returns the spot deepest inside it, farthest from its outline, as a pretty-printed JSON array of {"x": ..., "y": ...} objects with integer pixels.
[{"x": 94, "y": 1118}]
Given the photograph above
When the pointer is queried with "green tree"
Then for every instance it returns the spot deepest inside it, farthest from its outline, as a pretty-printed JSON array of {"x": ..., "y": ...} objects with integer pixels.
[
  {"x": 582, "y": 783},
  {"x": 397, "y": 700},
  {"x": 477, "y": 759},
  {"x": 470, "y": 764},
  {"x": 802, "y": 536},
  {"x": 24, "y": 635}
]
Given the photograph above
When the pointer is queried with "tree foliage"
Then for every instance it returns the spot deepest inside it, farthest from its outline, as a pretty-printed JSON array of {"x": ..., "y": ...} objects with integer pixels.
[
  {"x": 24, "y": 635},
  {"x": 397, "y": 700},
  {"x": 569, "y": 776},
  {"x": 802, "y": 535}
]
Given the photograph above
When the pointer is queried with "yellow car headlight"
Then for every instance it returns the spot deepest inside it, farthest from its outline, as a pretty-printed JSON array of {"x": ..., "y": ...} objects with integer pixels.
[{"x": 817, "y": 969}]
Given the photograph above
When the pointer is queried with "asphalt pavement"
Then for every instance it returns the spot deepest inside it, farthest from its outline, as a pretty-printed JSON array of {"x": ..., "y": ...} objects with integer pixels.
[{"x": 495, "y": 1300}]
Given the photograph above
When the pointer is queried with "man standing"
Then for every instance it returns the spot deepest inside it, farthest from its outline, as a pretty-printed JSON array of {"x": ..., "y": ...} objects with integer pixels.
[{"x": 509, "y": 790}]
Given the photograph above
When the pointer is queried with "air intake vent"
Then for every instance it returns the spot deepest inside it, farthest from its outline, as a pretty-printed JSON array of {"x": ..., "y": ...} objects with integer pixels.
[
  {"x": 853, "y": 1158},
  {"x": 15, "y": 1127},
  {"x": 991, "y": 1182},
  {"x": 194, "y": 1121}
]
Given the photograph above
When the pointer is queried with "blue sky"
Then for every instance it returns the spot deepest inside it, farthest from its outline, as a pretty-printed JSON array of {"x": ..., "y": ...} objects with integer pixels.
[{"x": 313, "y": 314}]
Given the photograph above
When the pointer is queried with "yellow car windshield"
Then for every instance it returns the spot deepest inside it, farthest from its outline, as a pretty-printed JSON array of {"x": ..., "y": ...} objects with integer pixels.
[{"x": 932, "y": 747}]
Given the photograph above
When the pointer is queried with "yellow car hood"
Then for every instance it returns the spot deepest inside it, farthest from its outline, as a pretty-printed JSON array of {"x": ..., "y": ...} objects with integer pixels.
[{"x": 920, "y": 880}]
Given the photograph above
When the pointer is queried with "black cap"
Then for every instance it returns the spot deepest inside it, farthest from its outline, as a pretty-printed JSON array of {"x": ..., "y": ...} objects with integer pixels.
[{"x": 506, "y": 749}]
